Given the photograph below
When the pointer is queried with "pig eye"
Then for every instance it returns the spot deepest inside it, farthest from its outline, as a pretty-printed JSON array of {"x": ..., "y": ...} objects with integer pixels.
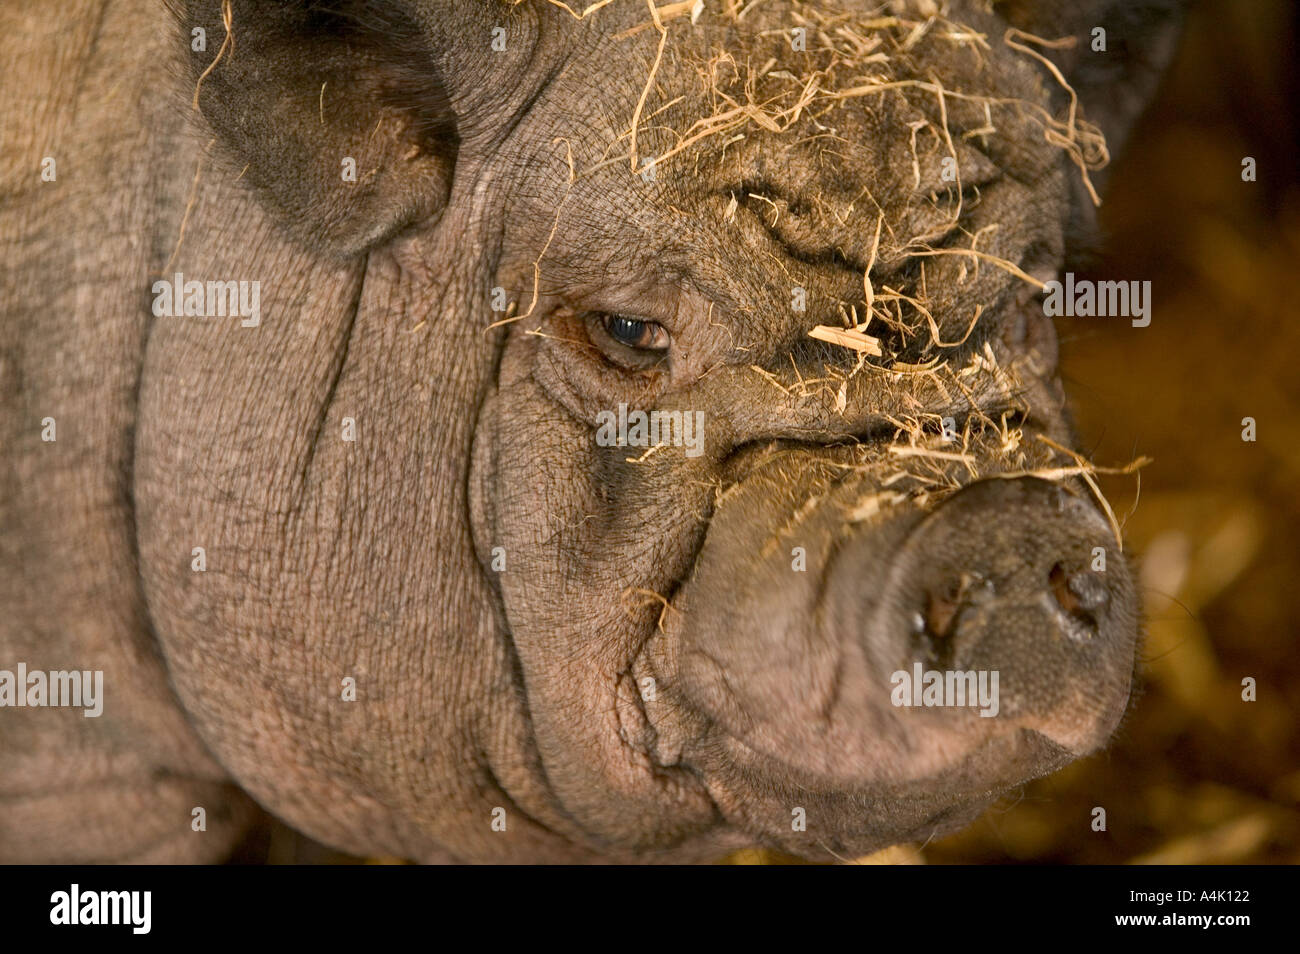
[{"x": 635, "y": 332}]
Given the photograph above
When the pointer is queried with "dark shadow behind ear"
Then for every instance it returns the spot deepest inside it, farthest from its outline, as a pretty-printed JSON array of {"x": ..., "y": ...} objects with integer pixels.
[
  {"x": 336, "y": 112},
  {"x": 1114, "y": 84}
]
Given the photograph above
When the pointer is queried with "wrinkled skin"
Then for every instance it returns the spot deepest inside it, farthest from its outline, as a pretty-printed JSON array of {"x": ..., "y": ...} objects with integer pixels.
[{"x": 524, "y": 688}]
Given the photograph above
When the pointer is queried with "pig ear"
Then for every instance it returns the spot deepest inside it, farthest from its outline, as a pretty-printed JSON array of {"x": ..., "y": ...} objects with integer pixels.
[
  {"x": 1121, "y": 49},
  {"x": 336, "y": 112}
]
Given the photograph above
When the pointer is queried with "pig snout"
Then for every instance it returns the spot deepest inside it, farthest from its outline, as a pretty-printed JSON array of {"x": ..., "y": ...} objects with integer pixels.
[
  {"x": 1020, "y": 578},
  {"x": 932, "y": 660}
]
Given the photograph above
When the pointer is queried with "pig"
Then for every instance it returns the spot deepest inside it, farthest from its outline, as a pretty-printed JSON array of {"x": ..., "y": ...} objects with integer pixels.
[{"x": 486, "y": 431}]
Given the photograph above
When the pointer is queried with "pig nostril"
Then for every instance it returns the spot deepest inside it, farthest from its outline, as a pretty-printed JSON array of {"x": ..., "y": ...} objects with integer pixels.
[
  {"x": 945, "y": 604},
  {"x": 941, "y": 611},
  {"x": 1081, "y": 595}
]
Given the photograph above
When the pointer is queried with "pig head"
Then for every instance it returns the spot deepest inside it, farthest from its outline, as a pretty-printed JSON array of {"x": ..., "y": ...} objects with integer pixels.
[{"x": 642, "y": 398}]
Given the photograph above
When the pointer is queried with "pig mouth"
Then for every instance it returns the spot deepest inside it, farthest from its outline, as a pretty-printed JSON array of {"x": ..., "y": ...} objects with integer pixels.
[
  {"x": 754, "y": 787},
  {"x": 849, "y": 818}
]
